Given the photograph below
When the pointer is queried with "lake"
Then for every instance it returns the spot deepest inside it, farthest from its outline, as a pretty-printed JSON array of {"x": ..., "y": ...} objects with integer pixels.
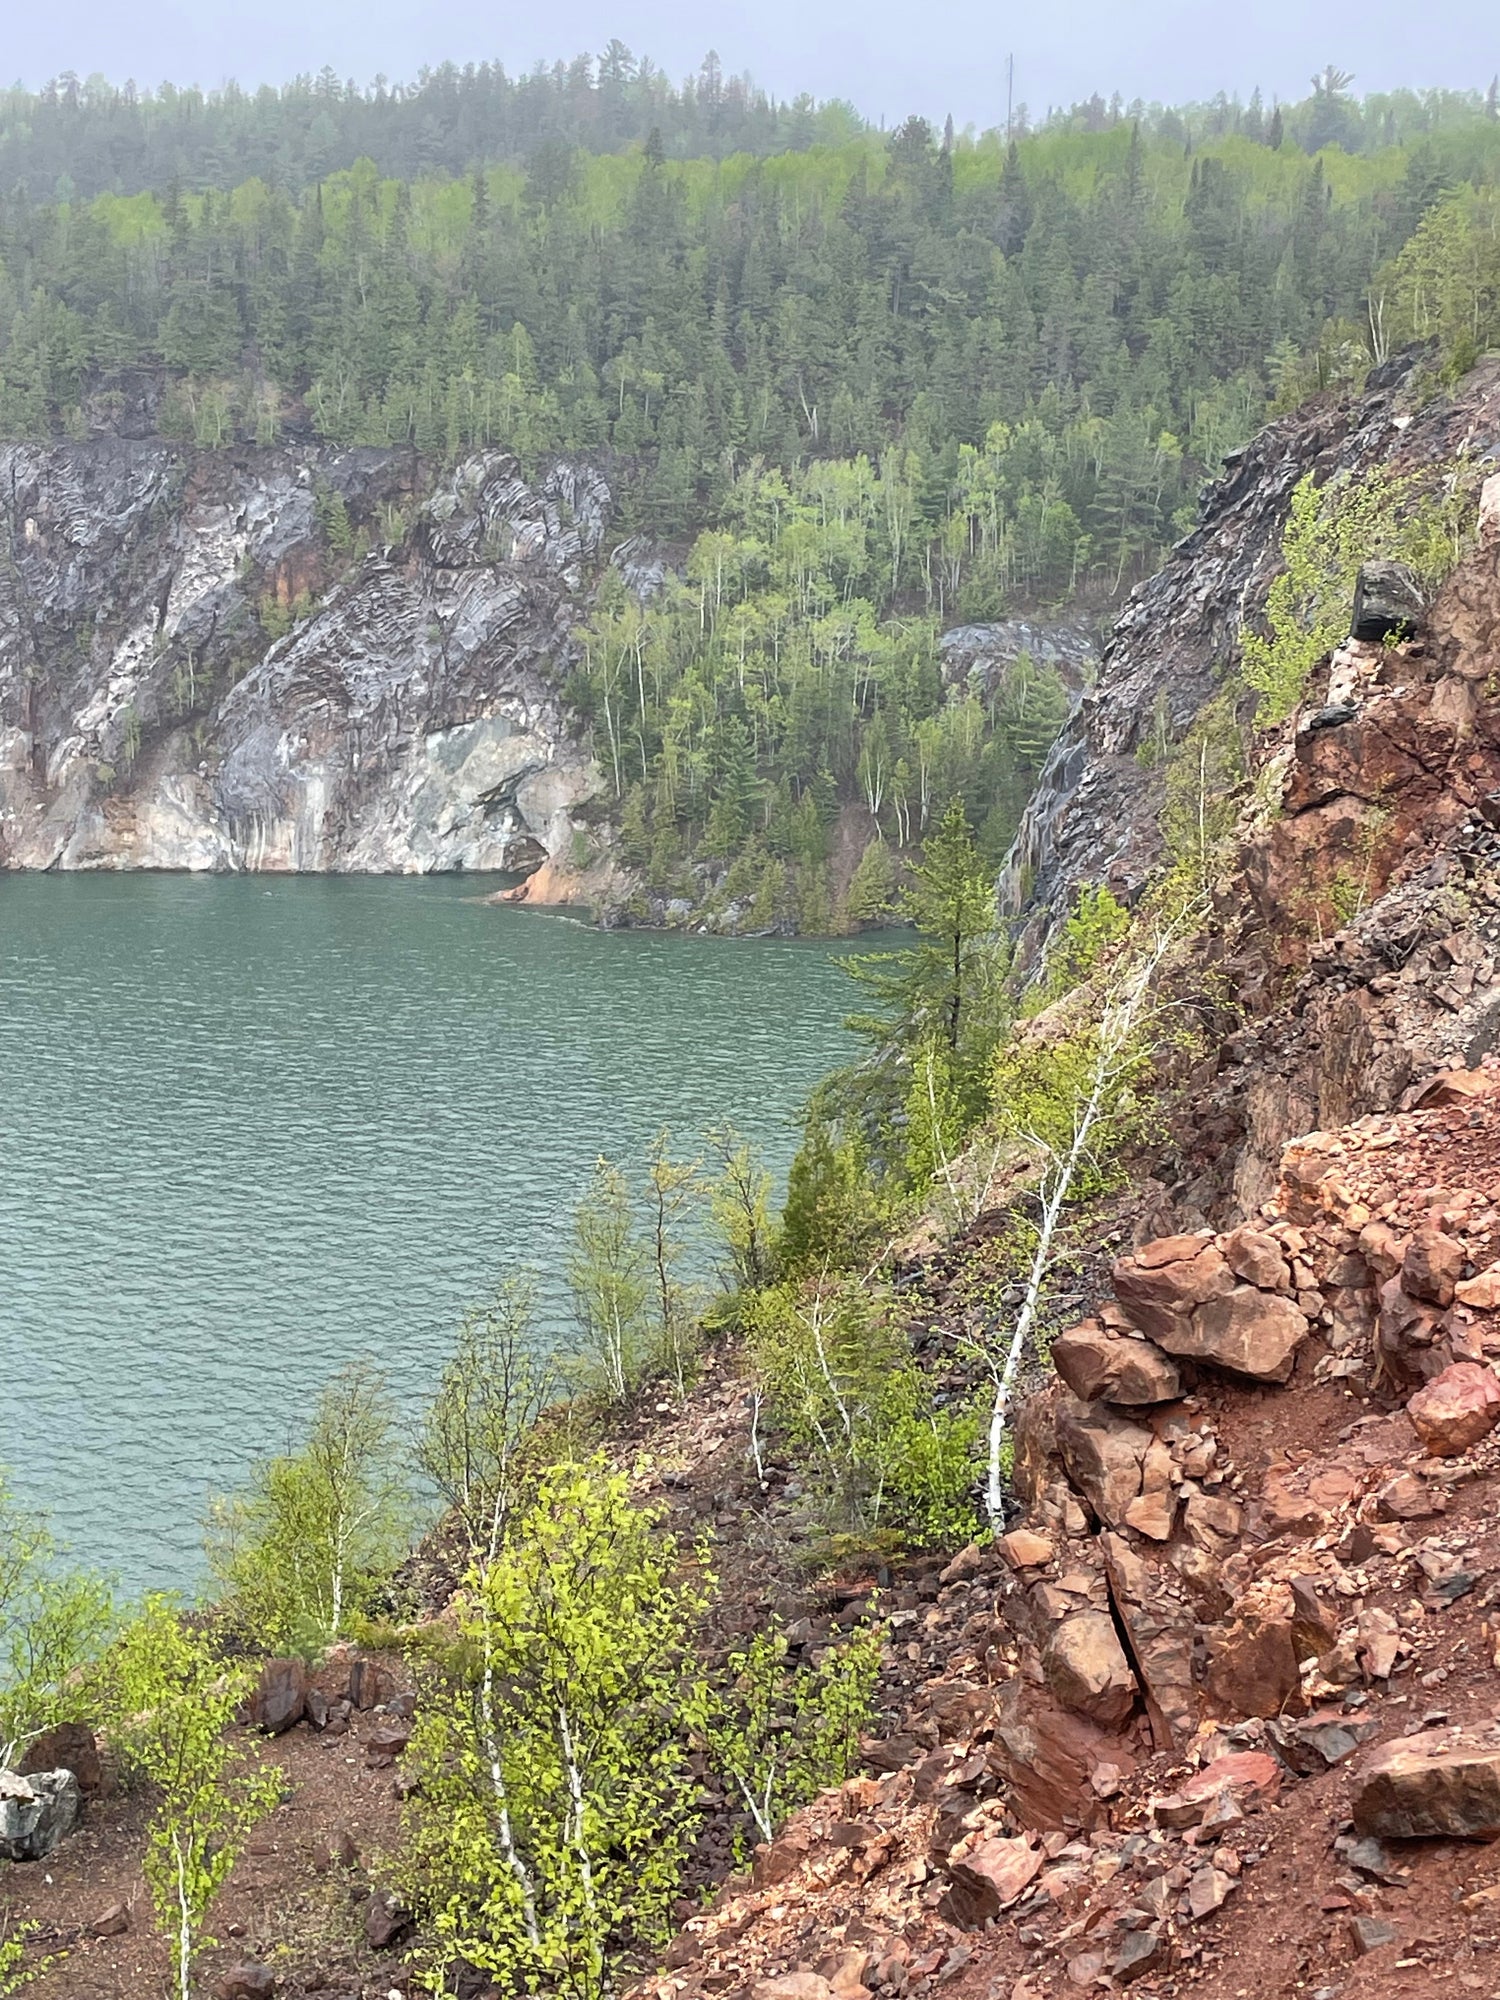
[{"x": 254, "y": 1127}]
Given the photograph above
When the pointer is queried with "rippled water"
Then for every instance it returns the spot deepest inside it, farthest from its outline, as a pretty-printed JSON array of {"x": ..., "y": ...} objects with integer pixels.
[{"x": 250, "y": 1129}]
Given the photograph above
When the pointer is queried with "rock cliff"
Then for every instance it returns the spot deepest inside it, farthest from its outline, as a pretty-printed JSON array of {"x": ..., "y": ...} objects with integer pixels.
[{"x": 289, "y": 659}]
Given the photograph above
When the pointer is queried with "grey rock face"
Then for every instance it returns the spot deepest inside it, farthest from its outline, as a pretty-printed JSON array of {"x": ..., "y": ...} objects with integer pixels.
[
  {"x": 1094, "y": 815},
  {"x": 36, "y": 1813},
  {"x": 1388, "y": 603},
  {"x": 409, "y": 719}
]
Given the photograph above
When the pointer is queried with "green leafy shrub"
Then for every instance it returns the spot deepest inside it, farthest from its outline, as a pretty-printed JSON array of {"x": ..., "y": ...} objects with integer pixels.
[
  {"x": 845, "y": 1393},
  {"x": 1330, "y": 531},
  {"x": 555, "y": 1809},
  {"x": 53, "y": 1623},
  {"x": 777, "y": 1736},
  {"x": 173, "y": 1703},
  {"x": 311, "y": 1540}
]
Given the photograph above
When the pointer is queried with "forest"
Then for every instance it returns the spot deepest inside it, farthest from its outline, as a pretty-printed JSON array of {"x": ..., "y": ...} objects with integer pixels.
[{"x": 860, "y": 385}]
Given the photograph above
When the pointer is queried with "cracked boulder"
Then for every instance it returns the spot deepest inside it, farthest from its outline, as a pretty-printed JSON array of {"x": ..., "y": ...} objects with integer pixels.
[
  {"x": 1099, "y": 1366},
  {"x": 1087, "y": 1670}
]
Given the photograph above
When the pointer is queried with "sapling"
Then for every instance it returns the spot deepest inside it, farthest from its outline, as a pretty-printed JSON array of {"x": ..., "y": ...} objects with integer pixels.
[
  {"x": 175, "y": 1702},
  {"x": 53, "y": 1622}
]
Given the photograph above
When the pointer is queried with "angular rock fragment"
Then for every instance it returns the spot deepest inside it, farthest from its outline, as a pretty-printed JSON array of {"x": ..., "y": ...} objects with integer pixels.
[
  {"x": 1253, "y": 1665},
  {"x": 1456, "y": 1409},
  {"x": 1388, "y": 602},
  {"x": 278, "y": 1701},
  {"x": 1161, "y": 1286},
  {"x": 1087, "y": 1670},
  {"x": 1142, "y": 1952},
  {"x": 1432, "y": 1266},
  {"x": 1101, "y": 1367},
  {"x": 1103, "y": 1455},
  {"x": 36, "y": 1812},
  {"x": 1429, "y": 1787},
  {"x": 988, "y": 1879},
  {"x": 1243, "y": 1330}
]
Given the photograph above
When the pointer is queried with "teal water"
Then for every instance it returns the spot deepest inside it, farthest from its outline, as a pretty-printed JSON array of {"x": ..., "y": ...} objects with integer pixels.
[{"x": 251, "y": 1128}]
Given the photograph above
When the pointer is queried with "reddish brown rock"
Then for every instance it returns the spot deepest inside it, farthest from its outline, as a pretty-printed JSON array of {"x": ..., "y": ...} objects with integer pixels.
[
  {"x": 1407, "y": 1498},
  {"x": 1045, "y": 1757},
  {"x": 1100, "y": 1366},
  {"x": 1103, "y": 1455},
  {"x": 1283, "y": 1511},
  {"x": 988, "y": 1879},
  {"x": 1245, "y": 1331},
  {"x": 1160, "y": 1629},
  {"x": 1481, "y": 1292},
  {"x": 1432, "y": 1266},
  {"x": 250, "y": 1981},
  {"x": 1024, "y": 1550},
  {"x": 1161, "y": 1291},
  {"x": 111, "y": 1922},
  {"x": 369, "y": 1684},
  {"x": 1429, "y": 1787},
  {"x": 1087, "y": 1670},
  {"x": 1456, "y": 1409},
  {"x": 1258, "y": 1259},
  {"x": 792, "y": 1986},
  {"x": 279, "y": 1699},
  {"x": 71, "y": 1746},
  {"x": 1253, "y": 1661},
  {"x": 1248, "y": 1778}
]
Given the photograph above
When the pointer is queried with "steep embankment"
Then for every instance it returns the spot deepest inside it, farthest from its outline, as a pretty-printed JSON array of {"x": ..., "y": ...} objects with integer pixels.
[
  {"x": 198, "y": 670},
  {"x": 1217, "y": 1715}
]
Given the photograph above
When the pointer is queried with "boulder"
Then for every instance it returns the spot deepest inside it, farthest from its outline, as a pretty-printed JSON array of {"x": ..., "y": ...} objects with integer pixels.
[
  {"x": 36, "y": 1812},
  {"x": 1087, "y": 1670},
  {"x": 1388, "y": 603},
  {"x": 1024, "y": 1550},
  {"x": 1429, "y": 1787},
  {"x": 1456, "y": 1409},
  {"x": 1258, "y": 1259},
  {"x": 250, "y": 1981},
  {"x": 1253, "y": 1661},
  {"x": 1140, "y": 1953},
  {"x": 1160, "y": 1629},
  {"x": 279, "y": 1699},
  {"x": 988, "y": 1879},
  {"x": 1103, "y": 1456},
  {"x": 1244, "y": 1330},
  {"x": 386, "y": 1922},
  {"x": 1099, "y": 1366},
  {"x": 1247, "y": 1777},
  {"x": 792, "y": 1986},
  {"x": 385, "y": 1744},
  {"x": 112, "y": 1921},
  {"x": 1432, "y": 1267},
  {"x": 71, "y": 1746},
  {"x": 369, "y": 1684},
  {"x": 1162, "y": 1284},
  {"x": 1482, "y": 1292},
  {"x": 1046, "y": 1758}
]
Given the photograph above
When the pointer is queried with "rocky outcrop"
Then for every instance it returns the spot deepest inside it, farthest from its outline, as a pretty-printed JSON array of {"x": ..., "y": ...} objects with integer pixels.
[
  {"x": 408, "y": 717},
  {"x": 1094, "y": 815}
]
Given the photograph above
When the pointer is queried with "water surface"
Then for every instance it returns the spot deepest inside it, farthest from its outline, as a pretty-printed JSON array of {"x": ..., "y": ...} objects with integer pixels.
[{"x": 252, "y": 1128}]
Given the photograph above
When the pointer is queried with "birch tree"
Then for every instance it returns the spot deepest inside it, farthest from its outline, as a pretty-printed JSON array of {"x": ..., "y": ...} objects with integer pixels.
[
  {"x": 1074, "y": 1121},
  {"x": 175, "y": 1702},
  {"x": 555, "y": 1806},
  {"x": 302, "y": 1548}
]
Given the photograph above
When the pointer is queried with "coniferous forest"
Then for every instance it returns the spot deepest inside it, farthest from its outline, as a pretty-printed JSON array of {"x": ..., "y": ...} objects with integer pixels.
[{"x": 864, "y": 385}]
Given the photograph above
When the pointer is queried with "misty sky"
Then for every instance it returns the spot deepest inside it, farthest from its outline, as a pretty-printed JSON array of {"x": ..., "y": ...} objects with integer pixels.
[{"x": 937, "y": 57}]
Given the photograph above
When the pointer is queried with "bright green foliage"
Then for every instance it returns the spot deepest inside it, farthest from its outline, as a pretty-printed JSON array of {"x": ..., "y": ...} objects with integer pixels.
[
  {"x": 173, "y": 1703},
  {"x": 1095, "y": 924},
  {"x": 847, "y": 1396},
  {"x": 308, "y": 1544},
  {"x": 15, "y": 1972},
  {"x": 739, "y": 1201},
  {"x": 779, "y": 1736},
  {"x": 1330, "y": 531},
  {"x": 935, "y": 1120},
  {"x": 672, "y": 1191},
  {"x": 873, "y": 888},
  {"x": 1038, "y": 1087},
  {"x": 610, "y": 1277},
  {"x": 53, "y": 1622},
  {"x": 1205, "y": 784},
  {"x": 555, "y": 1807},
  {"x": 474, "y": 1445}
]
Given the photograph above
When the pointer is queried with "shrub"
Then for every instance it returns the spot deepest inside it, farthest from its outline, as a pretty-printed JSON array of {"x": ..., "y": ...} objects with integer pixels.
[
  {"x": 311, "y": 1541},
  {"x": 53, "y": 1622},
  {"x": 555, "y": 1809},
  {"x": 779, "y": 1736},
  {"x": 173, "y": 1704}
]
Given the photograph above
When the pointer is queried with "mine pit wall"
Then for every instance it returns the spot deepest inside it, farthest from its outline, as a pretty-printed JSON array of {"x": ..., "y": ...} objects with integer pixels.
[{"x": 154, "y": 712}]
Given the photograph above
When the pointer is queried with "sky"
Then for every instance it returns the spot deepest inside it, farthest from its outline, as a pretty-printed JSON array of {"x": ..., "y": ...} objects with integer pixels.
[{"x": 890, "y": 59}]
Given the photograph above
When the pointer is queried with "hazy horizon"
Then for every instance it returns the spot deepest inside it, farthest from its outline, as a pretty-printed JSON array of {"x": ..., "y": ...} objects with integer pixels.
[{"x": 952, "y": 62}]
